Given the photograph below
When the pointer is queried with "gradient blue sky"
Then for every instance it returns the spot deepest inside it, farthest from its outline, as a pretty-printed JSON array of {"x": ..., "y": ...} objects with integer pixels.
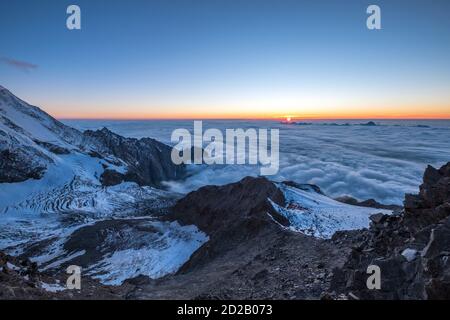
[{"x": 228, "y": 58}]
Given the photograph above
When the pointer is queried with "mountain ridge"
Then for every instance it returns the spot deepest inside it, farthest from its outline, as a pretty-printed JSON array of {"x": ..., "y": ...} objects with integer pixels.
[{"x": 31, "y": 140}]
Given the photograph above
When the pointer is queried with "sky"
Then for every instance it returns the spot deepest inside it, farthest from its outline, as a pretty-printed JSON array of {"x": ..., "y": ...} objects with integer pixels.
[{"x": 228, "y": 58}]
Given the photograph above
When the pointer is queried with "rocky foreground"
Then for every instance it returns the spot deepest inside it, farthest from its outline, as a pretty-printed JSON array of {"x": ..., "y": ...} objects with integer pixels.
[
  {"x": 412, "y": 249},
  {"x": 253, "y": 254}
]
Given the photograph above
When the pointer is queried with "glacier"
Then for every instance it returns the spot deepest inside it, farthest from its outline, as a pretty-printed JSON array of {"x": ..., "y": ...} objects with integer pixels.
[
  {"x": 315, "y": 214},
  {"x": 51, "y": 191}
]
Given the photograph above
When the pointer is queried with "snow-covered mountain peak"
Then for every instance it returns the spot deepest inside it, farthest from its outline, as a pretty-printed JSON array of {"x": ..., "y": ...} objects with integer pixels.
[
  {"x": 20, "y": 118},
  {"x": 31, "y": 140},
  {"x": 55, "y": 180}
]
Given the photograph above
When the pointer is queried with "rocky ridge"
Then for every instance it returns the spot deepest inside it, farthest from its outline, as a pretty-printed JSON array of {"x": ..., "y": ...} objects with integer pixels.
[
  {"x": 31, "y": 141},
  {"x": 412, "y": 249}
]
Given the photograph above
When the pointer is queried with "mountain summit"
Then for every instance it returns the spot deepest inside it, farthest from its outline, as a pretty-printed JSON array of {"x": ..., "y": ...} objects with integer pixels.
[{"x": 31, "y": 141}]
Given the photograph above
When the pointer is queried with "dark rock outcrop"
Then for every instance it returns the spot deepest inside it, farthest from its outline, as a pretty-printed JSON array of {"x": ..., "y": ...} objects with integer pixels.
[
  {"x": 52, "y": 147},
  {"x": 111, "y": 178},
  {"x": 149, "y": 161},
  {"x": 370, "y": 203},
  {"x": 369, "y": 124},
  {"x": 218, "y": 208},
  {"x": 229, "y": 215},
  {"x": 250, "y": 254},
  {"x": 20, "y": 279},
  {"x": 18, "y": 166},
  {"x": 411, "y": 249},
  {"x": 304, "y": 186}
]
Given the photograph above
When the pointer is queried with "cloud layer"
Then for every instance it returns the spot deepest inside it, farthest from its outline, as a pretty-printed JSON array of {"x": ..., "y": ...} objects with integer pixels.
[{"x": 381, "y": 162}]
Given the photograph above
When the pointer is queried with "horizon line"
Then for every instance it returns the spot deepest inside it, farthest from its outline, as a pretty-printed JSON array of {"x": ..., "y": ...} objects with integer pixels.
[{"x": 281, "y": 118}]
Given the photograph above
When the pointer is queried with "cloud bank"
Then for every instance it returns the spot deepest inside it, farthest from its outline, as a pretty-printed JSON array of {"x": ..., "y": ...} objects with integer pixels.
[{"x": 382, "y": 162}]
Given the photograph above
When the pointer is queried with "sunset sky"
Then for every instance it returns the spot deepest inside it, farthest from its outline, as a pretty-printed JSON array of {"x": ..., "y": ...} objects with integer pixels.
[{"x": 228, "y": 58}]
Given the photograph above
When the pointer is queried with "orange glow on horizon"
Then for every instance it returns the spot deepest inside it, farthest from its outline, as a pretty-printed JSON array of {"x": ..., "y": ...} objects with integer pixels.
[
  {"x": 254, "y": 116},
  {"x": 257, "y": 110}
]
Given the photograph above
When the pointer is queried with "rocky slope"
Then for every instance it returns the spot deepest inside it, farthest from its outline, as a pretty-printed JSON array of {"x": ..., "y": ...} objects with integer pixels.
[
  {"x": 251, "y": 252},
  {"x": 412, "y": 249},
  {"x": 258, "y": 255},
  {"x": 148, "y": 161},
  {"x": 259, "y": 243},
  {"x": 258, "y": 248},
  {"x": 251, "y": 243},
  {"x": 29, "y": 139},
  {"x": 21, "y": 279}
]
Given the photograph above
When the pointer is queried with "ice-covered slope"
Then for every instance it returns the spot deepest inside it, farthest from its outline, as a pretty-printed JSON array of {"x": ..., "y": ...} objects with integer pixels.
[
  {"x": 33, "y": 123},
  {"x": 47, "y": 167},
  {"x": 43, "y": 169},
  {"x": 30, "y": 140},
  {"x": 112, "y": 250},
  {"x": 313, "y": 213},
  {"x": 86, "y": 198}
]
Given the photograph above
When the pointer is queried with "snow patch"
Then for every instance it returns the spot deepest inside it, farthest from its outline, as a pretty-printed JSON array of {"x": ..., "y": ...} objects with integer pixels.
[
  {"x": 52, "y": 287},
  {"x": 163, "y": 256},
  {"x": 11, "y": 266},
  {"x": 59, "y": 262},
  {"x": 409, "y": 254},
  {"x": 318, "y": 215}
]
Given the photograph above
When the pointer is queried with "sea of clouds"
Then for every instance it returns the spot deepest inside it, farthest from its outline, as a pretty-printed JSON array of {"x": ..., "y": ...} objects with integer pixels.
[{"x": 382, "y": 162}]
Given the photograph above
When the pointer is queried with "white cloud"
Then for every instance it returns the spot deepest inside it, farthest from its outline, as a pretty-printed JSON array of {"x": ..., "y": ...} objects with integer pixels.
[{"x": 382, "y": 162}]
